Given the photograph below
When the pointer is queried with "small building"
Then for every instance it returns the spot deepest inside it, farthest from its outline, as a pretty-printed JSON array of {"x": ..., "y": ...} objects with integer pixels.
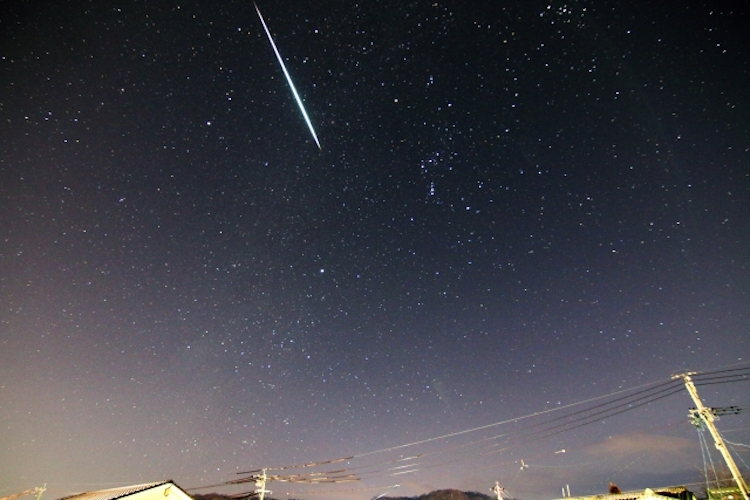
[
  {"x": 726, "y": 493},
  {"x": 162, "y": 490},
  {"x": 677, "y": 493}
]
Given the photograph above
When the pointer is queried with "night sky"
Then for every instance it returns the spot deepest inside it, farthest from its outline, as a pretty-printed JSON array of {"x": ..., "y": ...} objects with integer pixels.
[{"x": 517, "y": 206}]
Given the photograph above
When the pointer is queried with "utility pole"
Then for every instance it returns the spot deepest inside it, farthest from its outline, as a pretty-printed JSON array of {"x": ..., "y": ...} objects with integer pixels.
[
  {"x": 260, "y": 485},
  {"x": 707, "y": 415},
  {"x": 498, "y": 490}
]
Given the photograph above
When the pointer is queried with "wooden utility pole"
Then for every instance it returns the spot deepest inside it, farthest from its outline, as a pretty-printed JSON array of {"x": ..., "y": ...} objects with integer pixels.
[
  {"x": 498, "y": 490},
  {"x": 707, "y": 416},
  {"x": 260, "y": 485}
]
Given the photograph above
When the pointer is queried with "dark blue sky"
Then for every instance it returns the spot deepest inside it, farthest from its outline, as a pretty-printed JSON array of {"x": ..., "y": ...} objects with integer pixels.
[{"x": 517, "y": 207}]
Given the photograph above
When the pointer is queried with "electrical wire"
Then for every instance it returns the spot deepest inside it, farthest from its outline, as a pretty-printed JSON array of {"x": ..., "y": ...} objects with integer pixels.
[
  {"x": 739, "y": 457},
  {"x": 643, "y": 396},
  {"x": 700, "y": 384},
  {"x": 716, "y": 371},
  {"x": 701, "y": 439},
  {"x": 722, "y": 376},
  {"x": 585, "y": 417},
  {"x": 726, "y": 368},
  {"x": 502, "y": 422},
  {"x": 630, "y": 402},
  {"x": 624, "y": 400}
]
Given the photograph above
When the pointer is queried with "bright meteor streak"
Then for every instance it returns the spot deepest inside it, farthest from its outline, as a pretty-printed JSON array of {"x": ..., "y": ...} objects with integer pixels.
[{"x": 288, "y": 78}]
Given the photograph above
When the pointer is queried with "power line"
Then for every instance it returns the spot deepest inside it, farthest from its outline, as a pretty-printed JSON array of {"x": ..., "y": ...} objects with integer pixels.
[
  {"x": 634, "y": 398},
  {"x": 725, "y": 368},
  {"x": 585, "y": 417},
  {"x": 715, "y": 372},
  {"x": 643, "y": 391},
  {"x": 607, "y": 406},
  {"x": 511, "y": 420},
  {"x": 723, "y": 381}
]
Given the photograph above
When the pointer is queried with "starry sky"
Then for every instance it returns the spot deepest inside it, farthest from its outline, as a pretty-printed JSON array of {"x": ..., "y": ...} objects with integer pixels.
[{"x": 518, "y": 206}]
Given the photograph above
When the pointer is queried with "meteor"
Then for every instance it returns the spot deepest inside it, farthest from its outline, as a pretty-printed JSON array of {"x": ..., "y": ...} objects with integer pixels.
[{"x": 288, "y": 78}]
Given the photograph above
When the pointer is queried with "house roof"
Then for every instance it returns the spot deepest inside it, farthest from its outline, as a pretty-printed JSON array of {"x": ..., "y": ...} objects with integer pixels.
[
  {"x": 676, "y": 492},
  {"x": 115, "y": 493}
]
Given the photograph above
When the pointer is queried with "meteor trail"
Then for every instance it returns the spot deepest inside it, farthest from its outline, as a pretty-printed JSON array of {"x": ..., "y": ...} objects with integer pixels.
[{"x": 288, "y": 78}]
